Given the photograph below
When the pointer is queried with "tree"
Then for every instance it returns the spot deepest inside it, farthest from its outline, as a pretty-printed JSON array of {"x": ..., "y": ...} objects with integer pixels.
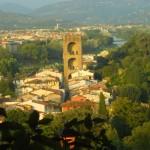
[
  {"x": 121, "y": 126},
  {"x": 94, "y": 40},
  {"x": 102, "y": 106},
  {"x": 88, "y": 132},
  {"x": 110, "y": 70},
  {"x": 112, "y": 135},
  {"x": 29, "y": 52},
  {"x": 131, "y": 91},
  {"x": 134, "y": 75},
  {"x": 7, "y": 87},
  {"x": 92, "y": 134},
  {"x": 101, "y": 61},
  {"x": 25, "y": 133},
  {"x": 140, "y": 138},
  {"x": 17, "y": 115},
  {"x": 97, "y": 75},
  {"x": 4, "y": 53},
  {"x": 55, "y": 50},
  {"x": 8, "y": 67},
  {"x": 43, "y": 56},
  {"x": 130, "y": 113}
]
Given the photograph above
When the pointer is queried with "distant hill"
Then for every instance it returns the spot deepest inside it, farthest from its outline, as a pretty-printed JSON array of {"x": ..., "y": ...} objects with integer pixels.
[
  {"x": 14, "y": 8},
  {"x": 11, "y": 20},
  {"x": 15, "y": 21},
  {"x": 30, "y": 3},
  {"x": 98, "y": 11},
  {"x": 77, "y": 12}
]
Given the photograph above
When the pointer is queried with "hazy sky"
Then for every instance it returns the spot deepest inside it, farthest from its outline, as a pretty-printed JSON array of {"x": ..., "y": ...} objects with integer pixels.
[{"x": 30, "y": 3}]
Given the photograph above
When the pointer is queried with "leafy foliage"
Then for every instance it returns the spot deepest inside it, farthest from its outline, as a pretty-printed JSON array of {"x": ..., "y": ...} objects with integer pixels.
[
  {"x": 7, "y": 87},
  {"x": 102, "y": 106},
  {"x": 128, "y": 115},
  {"x": 94, "y": 40},
  {"x": 127, "y": 68},
  {"x": 23, "y": 130},
  {"x": 139, "y": 138}
]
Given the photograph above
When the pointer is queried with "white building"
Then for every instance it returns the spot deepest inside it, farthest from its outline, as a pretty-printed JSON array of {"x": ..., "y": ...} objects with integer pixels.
[
  {"x": 45, "y": 79},
  {"x": 82, "y": 74}
]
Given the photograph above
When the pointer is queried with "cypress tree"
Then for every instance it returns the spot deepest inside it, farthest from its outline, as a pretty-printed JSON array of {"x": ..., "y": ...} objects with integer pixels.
[{"x": 102, "y": 105}]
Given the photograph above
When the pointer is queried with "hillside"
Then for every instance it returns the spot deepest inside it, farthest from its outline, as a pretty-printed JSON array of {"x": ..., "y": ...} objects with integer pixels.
[
  {"x": 78, "y": 12},
  {"x": 14, "y": 8},
  {"x": 15, "y": 21},
  {"x": 11, "y": 20},
  {"x": 98, "y": 11},
  {"x": 128, "y": 68}
]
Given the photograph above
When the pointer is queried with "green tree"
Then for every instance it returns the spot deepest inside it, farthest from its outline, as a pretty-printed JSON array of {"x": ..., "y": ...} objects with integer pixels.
[
  {"x": 112, "y": 135},
  {"x": 89, "y": 133},
  {"x": 4, "y": 53},
  {"x": 131, "y": 91},
  {"x": 101, "y": 62},
  {"x": 121, "y": 126},
  {"x": 102, "y": 105},
  {"x": 131, "y": 113},
  {"x": 9, "y": 67},
  {"x": 19, "y": 134},
  {"x": 17, "y": 115},
  {"x": 98, "y": 75},
  {"x": 134, "y": 75},
  {"x": 7, "y": 87},
  {"x": 54, "y": 48},
  {"x": 26, "y": 135},
  {"x": 94, "y": 40},
  {"x": 140, "y": 138}
]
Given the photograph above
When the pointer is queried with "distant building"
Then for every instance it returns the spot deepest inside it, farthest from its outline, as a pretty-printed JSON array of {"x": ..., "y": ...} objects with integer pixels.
[
  {"x": 45, "y": 79},
  {"x": 41, "y": 92},
  {"x": 94, "y": 91},
  {"x": 76, "y": 102},
  {"x": 80, "y": 79},
  {"x": 88, "y": 59},
  {"x": 103, "y": 53},
  {"x": 43, "y": 107}
]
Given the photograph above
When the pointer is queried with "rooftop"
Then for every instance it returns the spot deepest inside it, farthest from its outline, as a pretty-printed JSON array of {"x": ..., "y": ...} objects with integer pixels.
[{"x": 42, "y": 92}]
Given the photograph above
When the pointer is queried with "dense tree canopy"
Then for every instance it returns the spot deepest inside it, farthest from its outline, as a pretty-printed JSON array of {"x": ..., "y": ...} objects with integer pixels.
[
  {"x": 128, "y": 68},
  {"x": 129, "y": 114},
  {"x": 24, "y": 130},
  {"x": 139, "y": 139},
  {"x": 94, "y": 41},
  {"x": 7, "y": 87}
]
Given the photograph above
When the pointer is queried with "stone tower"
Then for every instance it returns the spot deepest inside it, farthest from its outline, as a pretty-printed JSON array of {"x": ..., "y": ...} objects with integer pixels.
[{"x": 72, "y": 55}]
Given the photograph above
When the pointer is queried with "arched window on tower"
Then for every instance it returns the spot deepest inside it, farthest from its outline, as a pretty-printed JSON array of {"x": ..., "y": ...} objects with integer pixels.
[{"x": 72, "y": 48}]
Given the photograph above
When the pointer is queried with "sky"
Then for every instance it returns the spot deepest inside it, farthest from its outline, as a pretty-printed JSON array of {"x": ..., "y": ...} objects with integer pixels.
[{"x": 30, "y": 3}]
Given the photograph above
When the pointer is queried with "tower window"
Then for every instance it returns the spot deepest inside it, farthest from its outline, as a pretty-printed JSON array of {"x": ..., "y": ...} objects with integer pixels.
[{"x": 72, "y": 48}]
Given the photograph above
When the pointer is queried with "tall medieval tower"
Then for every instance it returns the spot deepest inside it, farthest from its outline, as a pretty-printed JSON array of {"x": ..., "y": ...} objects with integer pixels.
[{"x": 72, "y": 55}]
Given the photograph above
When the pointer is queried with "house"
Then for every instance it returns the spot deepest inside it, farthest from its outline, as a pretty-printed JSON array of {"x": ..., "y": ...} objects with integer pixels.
[
  {"x": 43, "y": 107},
  {"x": 45, "y": 79},
  {"x": 76, "y": 102},
  {"x": 94, "y": 91},
  {"x": 88, "y": 59},
  {"x": 46, "y": 107}
]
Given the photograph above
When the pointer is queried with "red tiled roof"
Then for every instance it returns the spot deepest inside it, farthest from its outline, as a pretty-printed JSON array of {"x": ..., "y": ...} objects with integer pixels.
[
  {"x": 76, "y": 103},
  {"x": 78, "y": 98}
]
